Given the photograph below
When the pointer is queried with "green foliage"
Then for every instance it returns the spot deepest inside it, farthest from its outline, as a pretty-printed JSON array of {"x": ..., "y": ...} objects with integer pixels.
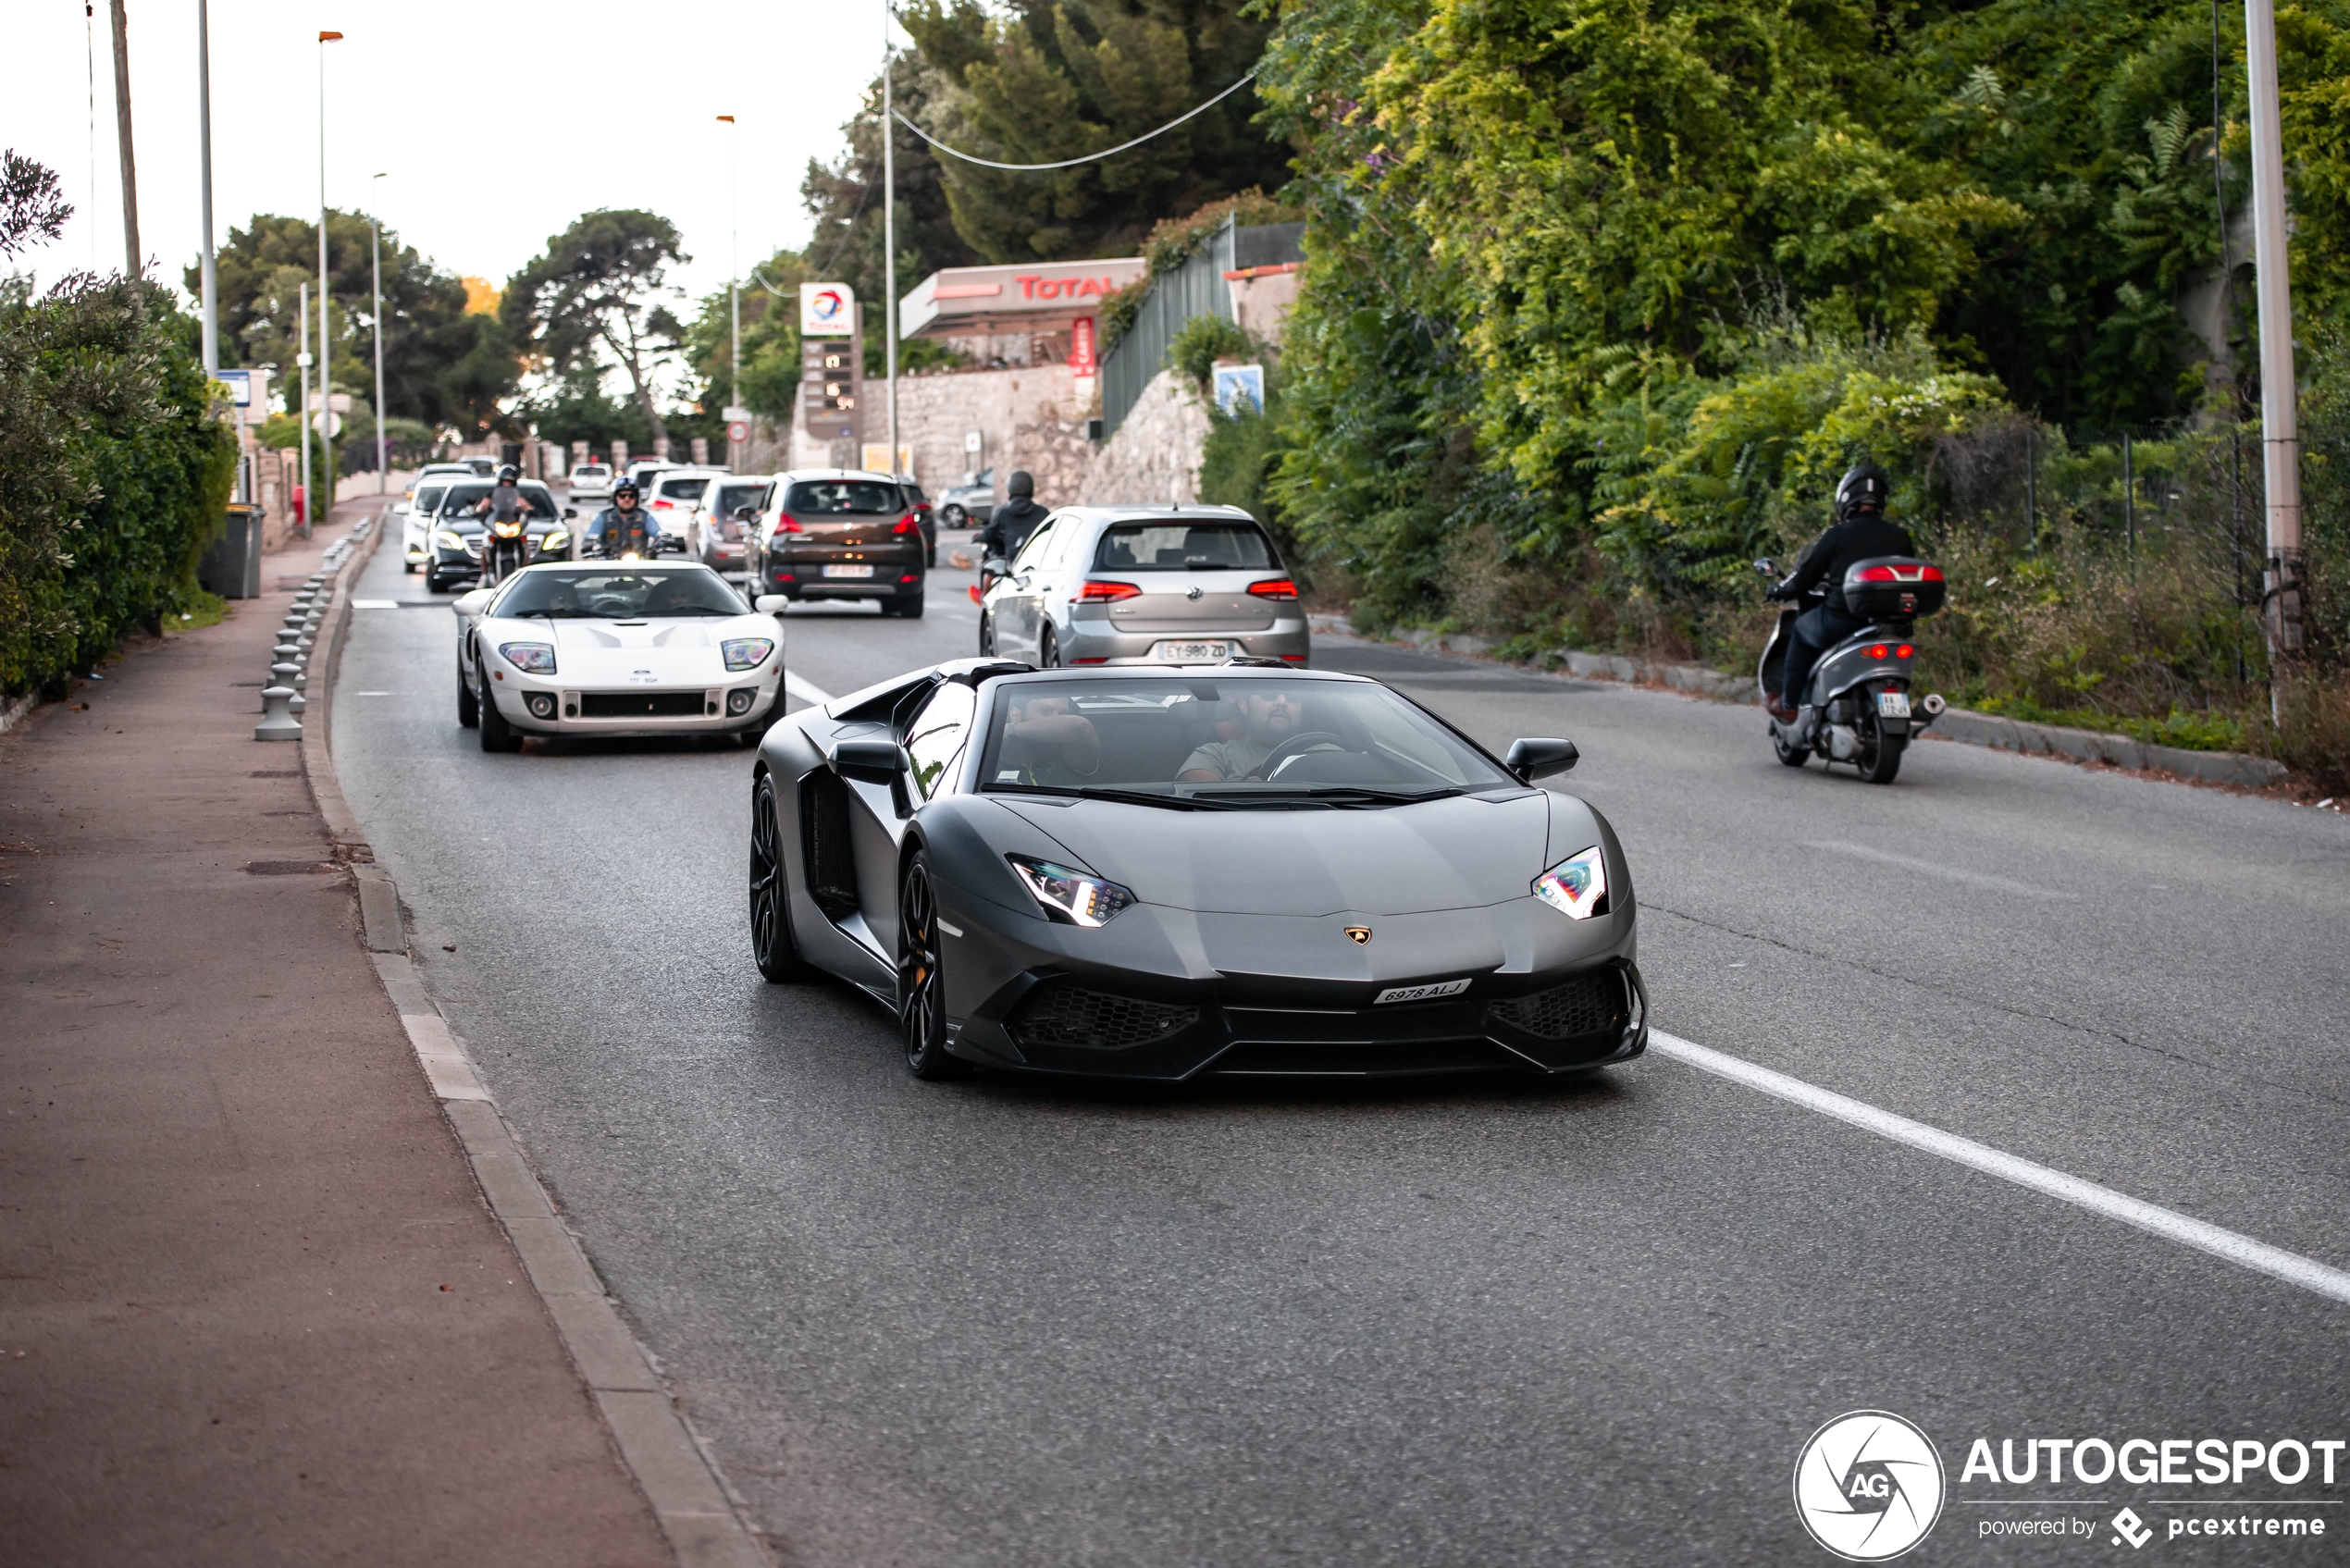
[
  {"x": 118, "y": 473},
  {"x": 596, "y": 297},
  {"x": 770, "y": 338},
  {"x": 1203, "y": 341},
  {"x": 845, "y": 199},
  {"x": 441, "y": 365},
  {"x": 1041, "y": 80}
]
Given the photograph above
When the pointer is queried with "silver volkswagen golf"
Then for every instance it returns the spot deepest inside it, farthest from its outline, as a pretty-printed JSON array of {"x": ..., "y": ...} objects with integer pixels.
[{"x": 1144, "y": 584}]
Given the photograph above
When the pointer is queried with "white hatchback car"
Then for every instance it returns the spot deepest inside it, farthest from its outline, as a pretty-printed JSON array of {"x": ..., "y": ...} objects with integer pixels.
[
  {"x": 672, "y": 497},
  {"x": 590, "y": 481},
  {"x": 596, "y": 647}
]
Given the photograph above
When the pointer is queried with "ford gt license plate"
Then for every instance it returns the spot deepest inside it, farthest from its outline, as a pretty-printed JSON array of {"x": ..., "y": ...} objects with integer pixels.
[
  {"x": 1893, "y": 704},
  {"x": 1192, "y": 652},
  {"x": 858, "y": 571}
]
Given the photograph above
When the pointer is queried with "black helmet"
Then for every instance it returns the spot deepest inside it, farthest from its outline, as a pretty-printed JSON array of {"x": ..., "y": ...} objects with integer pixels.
[
  {"x": 1022, "y": 483},
  {"x": 625, "y": 487},
  {"x": 1863, "y": 489},
  {"x": 509, "y": 473}
]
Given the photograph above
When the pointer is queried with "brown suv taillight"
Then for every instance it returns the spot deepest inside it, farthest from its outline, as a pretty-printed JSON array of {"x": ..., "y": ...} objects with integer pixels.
[
  {"x": 1274, "y": 587},
  {"x": 787, "y": 524},
  {"x": 907, "y": 525}
]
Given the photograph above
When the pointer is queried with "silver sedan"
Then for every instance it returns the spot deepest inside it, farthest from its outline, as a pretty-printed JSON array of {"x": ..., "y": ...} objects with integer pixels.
[{"x": 1135, "y": 584}]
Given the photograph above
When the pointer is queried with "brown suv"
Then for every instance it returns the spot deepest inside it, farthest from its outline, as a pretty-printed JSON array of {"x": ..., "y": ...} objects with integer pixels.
[{"x": 840, "y": 533}]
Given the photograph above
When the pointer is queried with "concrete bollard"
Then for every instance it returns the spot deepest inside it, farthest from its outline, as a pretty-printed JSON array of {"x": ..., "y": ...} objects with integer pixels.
[
  {"x": 297, "y": 704},
  {"x": 277, "y": 721}
]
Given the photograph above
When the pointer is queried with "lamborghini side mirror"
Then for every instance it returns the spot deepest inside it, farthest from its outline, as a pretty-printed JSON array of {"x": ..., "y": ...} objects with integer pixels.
[
  {"x": 867, "y": 762},
  {"x": 1538, "y": 757}
]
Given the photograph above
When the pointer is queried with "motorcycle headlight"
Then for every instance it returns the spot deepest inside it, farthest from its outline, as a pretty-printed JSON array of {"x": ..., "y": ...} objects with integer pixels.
[
  {"x": 1577, "y": 886},
  {"x": 447, "y": 540},
  {"x": 554, "y": 541},
  {"x": 1076, "y": 898},
  {"x": 746, "y": 653},
  {"x": 533, "y": 657}
]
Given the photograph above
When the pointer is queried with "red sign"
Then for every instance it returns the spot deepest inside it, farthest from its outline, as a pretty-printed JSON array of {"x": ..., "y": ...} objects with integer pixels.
[
  {"x": 1031, "y": 286},
  {"x": 1081, "y": 345},
  {"x": 738, "y": 432}
]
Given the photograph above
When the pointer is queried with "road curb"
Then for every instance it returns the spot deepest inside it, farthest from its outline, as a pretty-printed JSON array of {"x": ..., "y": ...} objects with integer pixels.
[
  {"x": 689, "y": 1498},
  {"x": 1963, "y": 725}
]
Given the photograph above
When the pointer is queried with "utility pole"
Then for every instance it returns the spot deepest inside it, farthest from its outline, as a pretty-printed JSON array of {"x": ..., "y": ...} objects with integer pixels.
[
  {"x": 134, "y": 261},
  {"x": 326, "y": 291},
  {"x": 309, "y": 497},
  {"x": 734, "y": 293},
  {"x": 2279, "y": 413},
  {"x": 211, "y": 279},
  {"x": 889, "y": 246},
  {"x": 375, "y": 254}
]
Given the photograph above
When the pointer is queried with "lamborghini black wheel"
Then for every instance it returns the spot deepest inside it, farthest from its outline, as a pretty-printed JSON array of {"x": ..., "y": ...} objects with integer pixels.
[
  {"x": 771, "y": 941},
  {"x": 921, "y": 988}
]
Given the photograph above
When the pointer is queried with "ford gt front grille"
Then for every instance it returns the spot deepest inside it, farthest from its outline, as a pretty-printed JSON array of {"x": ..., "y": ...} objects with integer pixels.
[
  {"x": 640, "y": 705},
  {"x": 1064, "y": 1015},
  {"x": 1591, "y": 1004}
]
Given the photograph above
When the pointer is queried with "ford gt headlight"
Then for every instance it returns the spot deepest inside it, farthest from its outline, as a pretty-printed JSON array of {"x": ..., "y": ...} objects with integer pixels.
[
  {"x": 1577, "y": 886},
  {"x": 1076, "y": 898},
  {"x": 746, "y": 653},
  {"x": 534, "y": 657},
  {"x": 447, "y": 539}
]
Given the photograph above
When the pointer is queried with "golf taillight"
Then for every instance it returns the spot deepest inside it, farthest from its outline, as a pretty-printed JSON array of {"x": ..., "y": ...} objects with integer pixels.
[
  {"x": 908, "y": 525},
  {"x": 1274, "y": 587},
  {"x": 1102, "y": 593}
]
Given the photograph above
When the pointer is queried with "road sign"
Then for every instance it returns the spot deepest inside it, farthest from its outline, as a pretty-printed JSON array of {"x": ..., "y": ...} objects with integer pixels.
[
  {"x": 733, "y": 414},
  {"x": 1081, "y": 346},
  {"x": 738, "y": 432}
]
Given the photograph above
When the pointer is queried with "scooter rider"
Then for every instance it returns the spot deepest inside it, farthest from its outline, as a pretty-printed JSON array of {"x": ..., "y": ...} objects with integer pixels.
[
  {"x": 1861, "y": 531},
  {"x": 1010, "y": 523},
  {"x": 623, "y": 526}
]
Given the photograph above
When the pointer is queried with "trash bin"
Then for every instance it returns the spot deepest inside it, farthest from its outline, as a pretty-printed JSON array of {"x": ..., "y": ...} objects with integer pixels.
[{"x": 231, "y": 568}]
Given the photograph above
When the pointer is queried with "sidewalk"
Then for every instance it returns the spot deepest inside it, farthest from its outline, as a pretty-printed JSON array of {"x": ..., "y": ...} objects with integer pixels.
[{"x": 252, "y": 1308}]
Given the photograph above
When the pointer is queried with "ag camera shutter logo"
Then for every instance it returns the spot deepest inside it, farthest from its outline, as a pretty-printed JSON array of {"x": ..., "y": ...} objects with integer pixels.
[{"x": 1868, "y": 1486}]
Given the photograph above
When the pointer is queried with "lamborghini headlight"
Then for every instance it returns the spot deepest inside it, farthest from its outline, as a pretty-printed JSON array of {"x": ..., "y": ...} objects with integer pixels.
[
  {"x": 746, "y": 653},
  {"x": 553, "y": 542},
  {"x": 449, "y": 539},
  {"x": 533, "y": 657},
  {"x": 1077, "y": 898},
  {"x": 1577, "y": 886}
]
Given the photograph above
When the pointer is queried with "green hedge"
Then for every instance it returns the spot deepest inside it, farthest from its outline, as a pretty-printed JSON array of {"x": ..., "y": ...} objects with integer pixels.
[{"x": 114, "y": 472}]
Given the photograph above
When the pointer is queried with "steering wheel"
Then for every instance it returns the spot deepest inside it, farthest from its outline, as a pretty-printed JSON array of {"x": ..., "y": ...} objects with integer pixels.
[{"x": 1295, "y": 746}]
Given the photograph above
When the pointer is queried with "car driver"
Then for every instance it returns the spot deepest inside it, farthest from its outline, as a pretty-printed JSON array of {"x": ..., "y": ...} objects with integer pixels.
[
  {"x": 1047, "y": 742},
  {"x": 1268, "y": 716}
]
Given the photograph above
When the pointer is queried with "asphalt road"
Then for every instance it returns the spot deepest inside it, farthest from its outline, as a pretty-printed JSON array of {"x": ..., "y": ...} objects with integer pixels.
[{"x": 993, "y": 1324}]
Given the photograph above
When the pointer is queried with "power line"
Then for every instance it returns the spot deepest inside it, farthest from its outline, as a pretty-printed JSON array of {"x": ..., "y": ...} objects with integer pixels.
[{"x": 1090, "y": 157}]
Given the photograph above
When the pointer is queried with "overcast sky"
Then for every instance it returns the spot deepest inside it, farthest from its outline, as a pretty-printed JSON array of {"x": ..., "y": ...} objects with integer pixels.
[{"x": 490, "y": 118}]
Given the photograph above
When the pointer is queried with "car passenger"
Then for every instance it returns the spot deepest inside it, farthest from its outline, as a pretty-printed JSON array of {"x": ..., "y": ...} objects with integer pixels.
[
  {"x": 1047, "y": 743},
  {"x": 1268, "y": 716}
]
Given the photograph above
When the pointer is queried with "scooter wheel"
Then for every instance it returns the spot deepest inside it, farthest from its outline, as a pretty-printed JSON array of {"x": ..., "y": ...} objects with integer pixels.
[{"x": 1792, "y": 755}]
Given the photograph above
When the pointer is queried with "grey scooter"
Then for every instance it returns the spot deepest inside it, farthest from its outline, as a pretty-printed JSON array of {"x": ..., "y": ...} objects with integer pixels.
[{"x": 1856, "y": 708}]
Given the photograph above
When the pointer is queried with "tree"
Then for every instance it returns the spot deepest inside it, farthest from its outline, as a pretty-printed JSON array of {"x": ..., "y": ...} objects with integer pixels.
[
  {"x": 441, "y": 364},
  {"x": 1048, "y": 79},
  {"x": 845, "y": 197},
  {"x": 600, "y": 285},
  {"x": 31, "y": 208}
]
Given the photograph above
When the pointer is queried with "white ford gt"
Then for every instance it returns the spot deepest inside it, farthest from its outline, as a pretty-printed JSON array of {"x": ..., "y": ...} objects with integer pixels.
[{"x": 619, "y": 647}]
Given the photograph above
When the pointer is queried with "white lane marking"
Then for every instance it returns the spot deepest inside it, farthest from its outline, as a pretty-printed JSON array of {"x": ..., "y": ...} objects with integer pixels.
[
  {"x": 807, "y": 691},
  {"x": 1934, "y": 869},
  {"x": 375, "y": 693},
  {"x": 2240, "y": 1250},
  {"x": 375, "y": 604}
]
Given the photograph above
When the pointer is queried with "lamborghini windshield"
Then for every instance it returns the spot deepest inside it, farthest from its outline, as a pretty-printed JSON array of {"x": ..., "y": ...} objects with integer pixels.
[
  {"x": 593, "y": 593},
  {"x": 1204, "y": 742}
]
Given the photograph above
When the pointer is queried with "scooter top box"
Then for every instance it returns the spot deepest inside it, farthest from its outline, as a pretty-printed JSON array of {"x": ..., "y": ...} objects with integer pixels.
[{"x": 1893, "y": 587}]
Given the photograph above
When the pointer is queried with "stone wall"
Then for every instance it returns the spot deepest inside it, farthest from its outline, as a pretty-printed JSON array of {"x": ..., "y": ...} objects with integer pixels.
[
  {"x": 1155, "y": 455},
  {"x": 1028, "y": 416}
]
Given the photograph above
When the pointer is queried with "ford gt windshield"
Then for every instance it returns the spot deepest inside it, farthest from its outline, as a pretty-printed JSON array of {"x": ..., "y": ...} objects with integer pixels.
[
  {"x": 592, "y": 593},
  {"x": 1200, "y": 742}
]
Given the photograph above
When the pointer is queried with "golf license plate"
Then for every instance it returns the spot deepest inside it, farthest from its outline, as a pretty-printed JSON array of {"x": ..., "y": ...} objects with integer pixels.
[
  {"x": 1192, "y": 652},
  {"x": 860, "y": 570},
  {"x": 1893, "y": 704}
]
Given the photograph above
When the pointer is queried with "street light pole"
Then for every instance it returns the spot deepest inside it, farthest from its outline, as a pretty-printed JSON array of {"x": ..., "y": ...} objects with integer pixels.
[
  {"x": 326, "y": 289},
  {"x": 2279, "y": 413},
  {"x": 375, "y": 256},
  {"x": 210, "y": 285},
  {"x": 302, "y": 421},
  {"x": 134, "y": 261},
  {"x": 889, "y": 247},
  {"x": 733, "y": 288}
]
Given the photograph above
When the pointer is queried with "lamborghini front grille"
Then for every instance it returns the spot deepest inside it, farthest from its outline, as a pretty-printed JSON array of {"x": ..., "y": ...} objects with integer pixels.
[
  {"x": 1065, "y": 1015},
  {"x": 1591, "y": 1004}
]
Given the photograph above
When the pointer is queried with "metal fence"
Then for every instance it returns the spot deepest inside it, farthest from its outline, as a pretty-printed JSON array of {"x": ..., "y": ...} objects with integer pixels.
[{"x": 1198, "y": 288}]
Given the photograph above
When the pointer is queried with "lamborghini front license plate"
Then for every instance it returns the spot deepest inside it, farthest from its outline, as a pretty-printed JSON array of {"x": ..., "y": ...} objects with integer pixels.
[
  {"x": 1192, "y": 652},
  {"x": 1893, "y": 704}
]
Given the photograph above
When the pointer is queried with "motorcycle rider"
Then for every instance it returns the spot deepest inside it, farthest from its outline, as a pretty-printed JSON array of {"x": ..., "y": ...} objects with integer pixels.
[
  {"x": 1010, "y": 523},
  {"x": 1860, "y": 533},
  {"x": 623, "y": 526},
  {"x": 504, "y": 502}
]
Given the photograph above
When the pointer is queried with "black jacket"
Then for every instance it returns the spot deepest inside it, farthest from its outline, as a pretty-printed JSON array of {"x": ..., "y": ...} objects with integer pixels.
[
  {"x": 1856, "y": 538},
  {"x": 1009, "y": 525}
]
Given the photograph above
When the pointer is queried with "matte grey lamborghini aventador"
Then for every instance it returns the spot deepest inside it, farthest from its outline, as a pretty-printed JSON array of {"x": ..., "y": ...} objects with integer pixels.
[{"x": 1160, "y": 874}]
